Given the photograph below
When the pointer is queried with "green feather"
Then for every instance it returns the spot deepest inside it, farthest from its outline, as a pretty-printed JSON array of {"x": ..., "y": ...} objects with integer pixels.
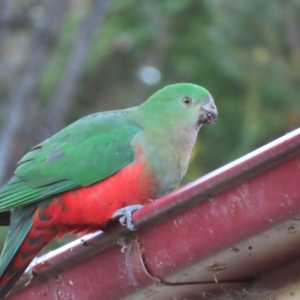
[
  {"x": 19, "y": 228},
  {"x": 85, "y": 152}
]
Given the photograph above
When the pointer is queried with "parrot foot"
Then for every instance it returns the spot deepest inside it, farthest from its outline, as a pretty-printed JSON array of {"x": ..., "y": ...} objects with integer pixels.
[{"x": 125, "y": 215}]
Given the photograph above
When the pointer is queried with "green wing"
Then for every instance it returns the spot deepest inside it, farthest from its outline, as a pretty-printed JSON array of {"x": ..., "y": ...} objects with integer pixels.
[{"x": 83, "y": 153}]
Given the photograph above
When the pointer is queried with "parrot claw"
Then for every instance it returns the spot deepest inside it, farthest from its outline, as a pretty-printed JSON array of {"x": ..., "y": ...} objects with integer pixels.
[{"x": 125, "y": 215}]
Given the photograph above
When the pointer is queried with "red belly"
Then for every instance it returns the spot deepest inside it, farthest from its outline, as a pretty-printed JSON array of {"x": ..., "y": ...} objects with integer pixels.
[{"x": 88, "y": 208}]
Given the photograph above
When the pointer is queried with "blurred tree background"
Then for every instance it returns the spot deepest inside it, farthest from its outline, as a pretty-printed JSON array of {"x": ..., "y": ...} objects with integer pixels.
[{"x": 60, "y": 60}]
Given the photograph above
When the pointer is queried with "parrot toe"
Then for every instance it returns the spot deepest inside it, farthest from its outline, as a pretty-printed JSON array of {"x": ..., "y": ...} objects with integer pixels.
[{"x": 125, "y": 215}]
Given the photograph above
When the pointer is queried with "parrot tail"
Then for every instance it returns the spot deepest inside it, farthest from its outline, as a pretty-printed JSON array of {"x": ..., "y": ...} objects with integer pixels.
[
  {"x": 5, "y": 288},
  {"x": 9, "y": 273},
  {"x": 24, "y": 240}
]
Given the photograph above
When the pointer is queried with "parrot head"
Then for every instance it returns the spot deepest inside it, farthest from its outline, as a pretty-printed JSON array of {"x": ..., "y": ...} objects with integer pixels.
[{"x": 184, "y": 104}]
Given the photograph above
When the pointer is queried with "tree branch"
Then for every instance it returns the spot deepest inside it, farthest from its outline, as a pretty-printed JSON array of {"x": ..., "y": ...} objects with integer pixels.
[
  {"x": 60, "y": 104},
  {"x": 24, "y": 88}
]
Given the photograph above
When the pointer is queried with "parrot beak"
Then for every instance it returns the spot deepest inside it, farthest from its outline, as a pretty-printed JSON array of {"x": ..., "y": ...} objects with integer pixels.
[{"x": 208, "y": 113}]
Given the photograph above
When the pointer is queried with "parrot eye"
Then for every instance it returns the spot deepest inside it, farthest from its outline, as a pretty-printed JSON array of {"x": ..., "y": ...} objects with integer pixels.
[{"x": 187, "y": 100}]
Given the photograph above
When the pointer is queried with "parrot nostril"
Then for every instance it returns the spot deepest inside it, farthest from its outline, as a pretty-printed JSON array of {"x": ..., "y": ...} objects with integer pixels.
[
  {"x": 211, "y": 106},
  {"x": 209, "y": 113}
]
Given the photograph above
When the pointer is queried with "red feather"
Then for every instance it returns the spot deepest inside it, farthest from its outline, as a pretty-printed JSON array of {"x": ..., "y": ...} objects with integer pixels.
[
  {"x": 95, "y": 204},
  {"x": 84, "y": 210}
]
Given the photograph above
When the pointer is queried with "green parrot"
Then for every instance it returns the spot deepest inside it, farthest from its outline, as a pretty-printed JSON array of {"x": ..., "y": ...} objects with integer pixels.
[{"x": 101, "y": 167}]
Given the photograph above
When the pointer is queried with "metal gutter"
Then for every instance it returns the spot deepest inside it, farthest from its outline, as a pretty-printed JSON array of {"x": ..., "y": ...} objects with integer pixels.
[{"x": 189, "y": 236}]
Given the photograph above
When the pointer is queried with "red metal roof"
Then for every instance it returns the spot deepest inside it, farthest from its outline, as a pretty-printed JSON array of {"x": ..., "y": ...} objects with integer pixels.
[{"x": 231, "y": 225}]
